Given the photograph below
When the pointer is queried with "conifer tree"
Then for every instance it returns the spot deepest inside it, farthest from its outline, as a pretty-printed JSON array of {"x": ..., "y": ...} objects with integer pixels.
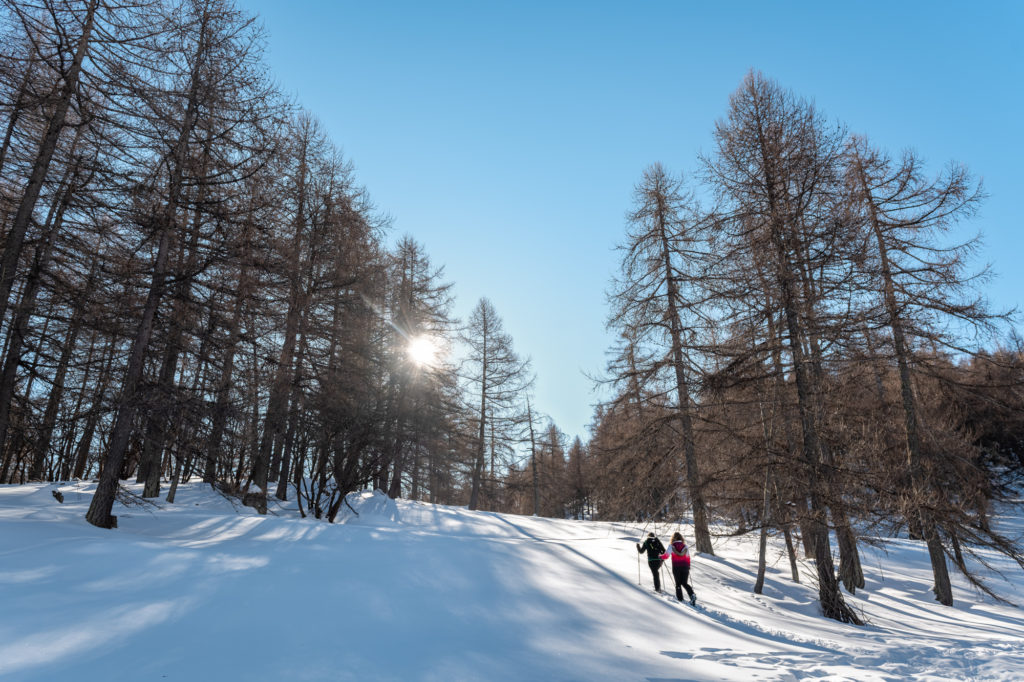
[
  {"x": 655, "y": 299},
  {"x": 496, "y": 379}
]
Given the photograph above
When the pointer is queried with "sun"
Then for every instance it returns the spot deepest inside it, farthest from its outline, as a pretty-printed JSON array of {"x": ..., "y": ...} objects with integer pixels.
[{"x": 422, "y": 351}]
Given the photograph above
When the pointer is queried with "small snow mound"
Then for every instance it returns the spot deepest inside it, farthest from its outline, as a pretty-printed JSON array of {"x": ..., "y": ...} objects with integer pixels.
[{"x": 370, "y": 508}]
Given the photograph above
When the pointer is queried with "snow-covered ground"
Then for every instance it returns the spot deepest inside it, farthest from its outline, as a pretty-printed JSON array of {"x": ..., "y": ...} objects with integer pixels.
[{"x": 202, "y": 590}]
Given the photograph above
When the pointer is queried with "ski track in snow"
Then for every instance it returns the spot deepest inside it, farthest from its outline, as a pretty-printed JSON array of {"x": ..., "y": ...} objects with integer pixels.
[{"x": 206, "y": 590}]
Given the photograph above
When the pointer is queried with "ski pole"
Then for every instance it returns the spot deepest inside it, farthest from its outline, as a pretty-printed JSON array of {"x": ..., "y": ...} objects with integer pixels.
[{"x": 638, "y": 567}]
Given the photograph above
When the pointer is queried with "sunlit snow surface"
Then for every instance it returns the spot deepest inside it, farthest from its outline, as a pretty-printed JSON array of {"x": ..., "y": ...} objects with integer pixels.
[{"x": 202, "y": 590}]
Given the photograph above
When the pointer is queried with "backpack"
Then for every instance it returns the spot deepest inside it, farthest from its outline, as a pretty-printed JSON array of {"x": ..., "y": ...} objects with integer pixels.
[{"x": 654, "y": 544}]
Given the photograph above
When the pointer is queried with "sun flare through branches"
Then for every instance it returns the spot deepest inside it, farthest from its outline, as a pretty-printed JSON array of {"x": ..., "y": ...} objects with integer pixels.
[{"x": 423, "y": 351}]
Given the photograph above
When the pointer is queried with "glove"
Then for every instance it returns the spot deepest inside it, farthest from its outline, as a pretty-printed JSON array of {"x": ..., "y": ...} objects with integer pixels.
[{"x": 638, "y": 548}]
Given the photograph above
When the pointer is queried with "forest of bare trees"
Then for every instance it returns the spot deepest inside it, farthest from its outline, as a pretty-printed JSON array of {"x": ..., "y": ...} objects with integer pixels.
[
  {"x": 194, "y": 284},
  {"x": 806, "y": 351}
]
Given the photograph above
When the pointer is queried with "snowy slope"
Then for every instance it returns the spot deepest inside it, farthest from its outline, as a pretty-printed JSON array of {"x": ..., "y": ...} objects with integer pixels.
[{"x": 200, "y": 590}]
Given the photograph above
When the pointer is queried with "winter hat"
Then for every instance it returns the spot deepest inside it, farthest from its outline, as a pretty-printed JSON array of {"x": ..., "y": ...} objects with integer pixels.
[{"x": 650, "y": 535}]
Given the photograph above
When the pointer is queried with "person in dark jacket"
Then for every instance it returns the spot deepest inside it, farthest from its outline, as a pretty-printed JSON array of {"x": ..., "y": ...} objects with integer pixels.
[
  {"x": 680, "y": 554},
  {"x": 654, "y": 550}
]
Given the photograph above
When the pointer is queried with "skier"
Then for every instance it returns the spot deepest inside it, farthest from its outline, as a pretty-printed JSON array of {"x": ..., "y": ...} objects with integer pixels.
[
  {"x": 680, "y": 554},
  {"x": 654, "y": 550}
]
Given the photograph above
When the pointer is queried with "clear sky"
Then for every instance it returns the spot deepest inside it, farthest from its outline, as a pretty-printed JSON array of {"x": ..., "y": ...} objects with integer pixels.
[{"x": 507, "y": 137}]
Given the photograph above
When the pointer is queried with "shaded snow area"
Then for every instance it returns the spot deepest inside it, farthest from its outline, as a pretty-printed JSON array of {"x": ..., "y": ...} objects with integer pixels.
[{"x": 204, "y": 590}]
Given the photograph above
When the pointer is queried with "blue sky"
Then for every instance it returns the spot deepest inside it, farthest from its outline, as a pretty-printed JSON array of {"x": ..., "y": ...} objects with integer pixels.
[{"x": 507, "y": 137}]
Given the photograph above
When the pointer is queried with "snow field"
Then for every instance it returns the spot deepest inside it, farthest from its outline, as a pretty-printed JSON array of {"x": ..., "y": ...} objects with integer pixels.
[{"x": 204, "y": 590}]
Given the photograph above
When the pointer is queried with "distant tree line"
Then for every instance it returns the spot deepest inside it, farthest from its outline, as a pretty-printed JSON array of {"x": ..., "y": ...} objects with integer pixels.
[
  {"x": 193, "y": 284},
  {"x": 805, "y": 352}
]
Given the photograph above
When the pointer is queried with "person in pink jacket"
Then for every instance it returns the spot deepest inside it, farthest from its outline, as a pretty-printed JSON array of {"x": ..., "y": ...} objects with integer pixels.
[{"x": 680, "y": 554}]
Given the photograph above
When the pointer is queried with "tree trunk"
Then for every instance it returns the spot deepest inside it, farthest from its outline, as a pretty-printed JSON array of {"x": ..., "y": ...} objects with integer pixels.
[
  {"x": 289, "y": 444},
  {"x": 42, "y": 446},
  {"x": 277, "y": 406},
  {"x": 95, "y": 410},
  {"x": 106, "y": 490},
  {"x": 694, "y": 486},
  {"x": 214, "y": 451},
  {"x": 478, "y": 467},
  {"x": 762, "y": 545},
  {"x": 829, "y": 596},
  {"x": 791, "y": 553},
  {"x": 850, "y": 570},
  {"x": 180, "y": 466},
  {"x": 831, "y": 600},
  {"x": 919, "y": 487},
  {"x": 164, "y": 406},
  {"x": 533, "y": 461},
  {"x": 156, "y": 423}
]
